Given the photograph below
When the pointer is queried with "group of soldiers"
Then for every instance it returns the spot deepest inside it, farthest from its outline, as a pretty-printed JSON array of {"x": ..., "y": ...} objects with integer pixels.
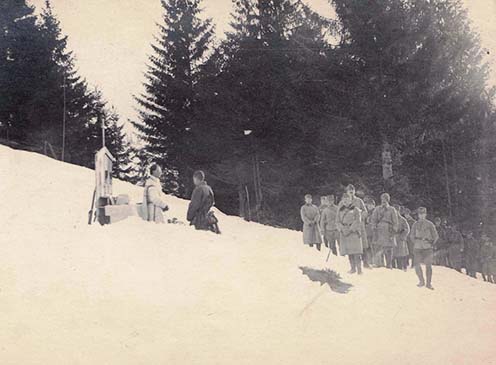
[{"x": 388, "y": 236}]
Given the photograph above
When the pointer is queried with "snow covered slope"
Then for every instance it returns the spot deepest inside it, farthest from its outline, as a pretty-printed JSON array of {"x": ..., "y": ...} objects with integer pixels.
[{"x": 141, "y": 293}]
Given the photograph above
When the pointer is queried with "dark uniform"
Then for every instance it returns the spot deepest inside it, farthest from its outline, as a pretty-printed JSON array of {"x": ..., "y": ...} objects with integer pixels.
[
  {"x": 441, "y": 248},
  {"x": 202, "y": 200},
  {"x": 455, "y": 248},
  {"x": 471, "y": 254}
]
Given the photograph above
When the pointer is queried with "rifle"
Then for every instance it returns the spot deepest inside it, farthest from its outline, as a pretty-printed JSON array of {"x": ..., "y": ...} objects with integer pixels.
[{"x": 92, "y": 209}]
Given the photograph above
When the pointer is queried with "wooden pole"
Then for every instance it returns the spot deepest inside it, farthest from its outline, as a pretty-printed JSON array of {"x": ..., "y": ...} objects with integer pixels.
[
  {"x": 248, "y": 202},
  {"x": 64, "y": 119},
  {"x": 103, "y": 130}
]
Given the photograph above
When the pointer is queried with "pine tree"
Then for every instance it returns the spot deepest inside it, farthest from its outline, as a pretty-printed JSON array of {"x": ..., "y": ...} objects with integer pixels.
[
  {"x": 263, "y": 79},
  {"x": 119, "y": 146},
  {"x": 85, "y": 109},
  {"x": 20, "y": 67},
  {"x": 419, "y": 81},
  {"x": 167, "y": 108}
]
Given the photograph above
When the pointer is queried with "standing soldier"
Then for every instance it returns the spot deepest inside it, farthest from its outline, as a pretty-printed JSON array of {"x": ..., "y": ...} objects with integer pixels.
[
  {"x": 411, "y": 222},
  {"x": 455, "y": 248},
  {"x": 154, "y": 204},
  {"x": 441, "y": 249},
  {"x": 369, "y": 231},
  {"x": 385, "y": 222},
  {"x": 350, "y": 228},
  {"x": 424, "y": 235},
  {"x": 324, "y": 203},
  {"x": 328, "y": 224},
  {"x": 310, "y": 217},
  {"x": 360, "y": 205},
  {"x": 488, "y": 256},
  {"x": 471, "y": 254},
  {"x": 400, "y": 252}
]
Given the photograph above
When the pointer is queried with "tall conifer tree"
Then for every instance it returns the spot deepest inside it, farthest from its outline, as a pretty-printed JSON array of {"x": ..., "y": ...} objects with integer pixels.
[{"x": 167, "y": 108}]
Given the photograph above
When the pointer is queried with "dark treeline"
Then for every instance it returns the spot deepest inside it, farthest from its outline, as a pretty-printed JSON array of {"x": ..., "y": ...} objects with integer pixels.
[
  {"x": 290, "y": 102},
  {"x": 36, "y": 70},
  {"x": 287, "y": 103}
]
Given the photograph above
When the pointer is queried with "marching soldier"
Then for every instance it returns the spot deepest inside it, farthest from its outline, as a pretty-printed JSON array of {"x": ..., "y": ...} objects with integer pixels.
[
  {"x": 425, "y": 236},
  {"x": 385, "y": 222},
  {"x": 310, "y": 217},
  {"x": 328, "y": 224}
]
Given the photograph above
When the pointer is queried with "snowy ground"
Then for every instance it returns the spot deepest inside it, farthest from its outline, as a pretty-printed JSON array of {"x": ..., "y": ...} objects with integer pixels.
[{"x": 140, "y": 293}]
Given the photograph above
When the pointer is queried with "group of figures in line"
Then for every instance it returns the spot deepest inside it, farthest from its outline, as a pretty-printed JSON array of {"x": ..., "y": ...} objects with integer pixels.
[{"x": 388, "y": 236}]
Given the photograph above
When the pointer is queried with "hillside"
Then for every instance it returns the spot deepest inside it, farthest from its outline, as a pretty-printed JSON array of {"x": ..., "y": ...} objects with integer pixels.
[{"x": 141, "y": 293}]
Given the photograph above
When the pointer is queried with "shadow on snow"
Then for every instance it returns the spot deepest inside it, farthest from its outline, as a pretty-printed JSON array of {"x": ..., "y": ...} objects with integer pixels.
[{"x": 329, "y": 277}]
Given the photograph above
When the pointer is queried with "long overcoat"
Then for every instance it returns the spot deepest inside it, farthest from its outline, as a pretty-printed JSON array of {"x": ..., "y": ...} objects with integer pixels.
[
  {"x": 385, "y": 222},
  {"x": 351, "y": 229},
  {"x": 153, "y": 201},
  {"x": 202, "y": 200},
  {"x": 310, "y": 217},
  {"x": 471, "y": 254},
  {"x": 402, "y": 233},
  {"x": 359, "y": 204},
  {"x": 488, "y": 258},
  {"x": 455, "y": 248}
]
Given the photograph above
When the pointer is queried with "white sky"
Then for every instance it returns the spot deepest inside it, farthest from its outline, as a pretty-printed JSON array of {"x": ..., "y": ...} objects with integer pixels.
[{"x": 111, "y": 38}]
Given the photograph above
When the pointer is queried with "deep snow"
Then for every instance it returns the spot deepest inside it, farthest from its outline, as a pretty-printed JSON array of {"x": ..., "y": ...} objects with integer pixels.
[{"x": 141, "y": 293}]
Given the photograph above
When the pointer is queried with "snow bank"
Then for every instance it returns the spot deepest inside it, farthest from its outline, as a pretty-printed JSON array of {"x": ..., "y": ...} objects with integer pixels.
[{"x": 141, "y": 293}]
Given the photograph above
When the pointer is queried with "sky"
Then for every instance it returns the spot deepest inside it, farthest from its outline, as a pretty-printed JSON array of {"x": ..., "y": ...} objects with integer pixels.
[{"x": 111, "y": 39}]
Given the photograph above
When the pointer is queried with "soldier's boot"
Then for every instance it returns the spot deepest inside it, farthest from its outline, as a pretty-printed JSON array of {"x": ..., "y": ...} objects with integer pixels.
[
  {"x": 352, "y": 264},
  {"x": 318, "y": 246},
  {"x": 358, "y": 264},
  {"x": 334, "y": 249},
  {"x": 326, "y": 242},
  {"x": 428, "y": 273},
  {"x": 365, "y": 258},
  {"x": 420, "y": 275}
]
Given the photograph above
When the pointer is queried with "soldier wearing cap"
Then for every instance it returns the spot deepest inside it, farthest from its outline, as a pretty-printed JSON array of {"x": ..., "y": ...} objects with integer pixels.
[
  {"x": 328, "y": 224},
  {"x": 400, "y": 252},
  {"x": 385, "y": 223},
  {"x": 310, "y": 216},
  {"x": 424, "y": 236},
  {"x": 359, "y": 204},
  {"x": 441, "y": 248}
]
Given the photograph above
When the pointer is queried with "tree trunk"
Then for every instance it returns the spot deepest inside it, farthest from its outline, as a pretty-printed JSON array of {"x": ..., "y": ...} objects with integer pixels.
[{"x": 447, "y": 181}]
